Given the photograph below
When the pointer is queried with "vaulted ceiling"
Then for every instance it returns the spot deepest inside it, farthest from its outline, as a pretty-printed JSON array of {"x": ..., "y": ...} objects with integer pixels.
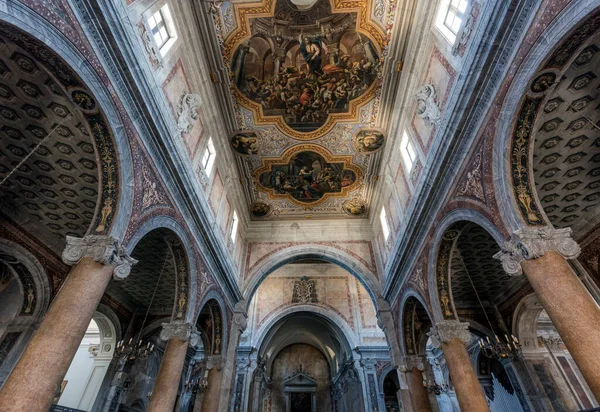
[
  {"x": 306, "y": 80},
  {"x": 567, "y": 144}
]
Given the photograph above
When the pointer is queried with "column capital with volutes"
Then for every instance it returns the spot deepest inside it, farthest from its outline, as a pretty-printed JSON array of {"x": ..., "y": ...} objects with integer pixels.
[
  {"x": 183, "y": 331},
  {"x": 532, "y": 243},
  {"x": 446, "y": 330},
  {"x": 411, "y": 362},
  {"x": 102, "y": 249}
]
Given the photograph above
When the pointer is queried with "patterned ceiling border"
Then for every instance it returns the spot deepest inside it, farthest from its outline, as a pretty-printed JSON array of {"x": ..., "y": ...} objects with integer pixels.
[
  {"x": 103, "y": 138},
  {"x": 294, "y": 150},
  {"x": 408, "y": 322},
  {"x": 442, "y": 273}
]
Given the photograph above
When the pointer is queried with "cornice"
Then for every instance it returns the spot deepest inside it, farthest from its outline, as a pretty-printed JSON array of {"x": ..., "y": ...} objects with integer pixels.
[
  {"x": 117, "y": 47},
  {"x": 469, "y": 103}
]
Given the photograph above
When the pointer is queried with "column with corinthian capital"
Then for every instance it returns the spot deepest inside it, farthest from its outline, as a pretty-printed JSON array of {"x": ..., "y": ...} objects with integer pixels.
[
  {"x": 238, "y": 326},
  {"x": 541, "y": 254},
  {"x": 453, "y": 336},
  {"x": 179, "y": 335},
  {"x": 39, "y": 372},
  {"x": 413, "y": 367}
]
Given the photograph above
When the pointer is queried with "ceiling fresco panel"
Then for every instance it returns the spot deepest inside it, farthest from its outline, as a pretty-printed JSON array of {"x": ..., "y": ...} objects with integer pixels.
[{"x": 305, "y": 72}]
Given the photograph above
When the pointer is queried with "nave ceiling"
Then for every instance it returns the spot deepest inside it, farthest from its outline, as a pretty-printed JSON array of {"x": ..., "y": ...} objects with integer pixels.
[{"x": 306, "y": 80}]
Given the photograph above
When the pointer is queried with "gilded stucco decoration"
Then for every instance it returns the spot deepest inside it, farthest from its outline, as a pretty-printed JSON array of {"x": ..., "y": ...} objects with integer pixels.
[
  {"x": 442, "y": 273},
  {"x": 300, "y": 74}
]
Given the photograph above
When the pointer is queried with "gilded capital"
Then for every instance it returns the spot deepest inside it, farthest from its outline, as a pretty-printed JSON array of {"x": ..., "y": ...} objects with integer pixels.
[
  {"x": 180, "y": 330},
  {"x": 103, "y": 249},
  {"x": 446, "y": 330},
  {"x": 532, "y": 243}
]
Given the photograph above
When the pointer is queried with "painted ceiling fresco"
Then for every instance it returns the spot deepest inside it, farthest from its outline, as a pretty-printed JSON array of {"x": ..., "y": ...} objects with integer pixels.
[{"x": 306, "y": 79}]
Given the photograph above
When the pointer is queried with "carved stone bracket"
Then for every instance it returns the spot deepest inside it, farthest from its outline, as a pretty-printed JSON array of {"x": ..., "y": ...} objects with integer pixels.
[
  {"x": 427, "y": 107},
  {"x": 240, "y": 317},
  {"x": 103, "y": 249},
  {"x": 411, "y": 362},
  {"x": 532, "y": 243},
  {"x": 215, "y": 362},
  {"x": 187, "y": 112},
  {"x": 180, "y": 330},
  {"x": 446, "y": 330}
]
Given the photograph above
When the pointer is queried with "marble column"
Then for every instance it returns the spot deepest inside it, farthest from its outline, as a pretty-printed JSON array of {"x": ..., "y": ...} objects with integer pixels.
[
  {"x": 239, "y": 323},
  {"x": 542, "y": 253},
  {"x": 178, "y": 335},
  {"x": 210, "y": 399},
  {"x": 39, "y": 372},
  {"x": 413, "y": 367},
  {"x": 453, "y": 336}
]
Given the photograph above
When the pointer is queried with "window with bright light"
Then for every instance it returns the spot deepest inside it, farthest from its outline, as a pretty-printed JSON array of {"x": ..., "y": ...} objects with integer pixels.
[
  {"x": 409, "y": 155},
  {"x": 384, "y": 224},
  {"x": 162, "y": 29},
  {"x": 208, "y": 157},
  {"x": 234, "y": 226},
  {"x": 451, "y": 16}
]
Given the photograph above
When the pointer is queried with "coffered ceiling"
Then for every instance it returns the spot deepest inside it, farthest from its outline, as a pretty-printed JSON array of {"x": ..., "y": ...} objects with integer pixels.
[
  {"x": 473, "y": 256},
  {"x": 567, "y": 145},
  {"x": 54, "y": 192},
  {"x": 306, "y": 80}
]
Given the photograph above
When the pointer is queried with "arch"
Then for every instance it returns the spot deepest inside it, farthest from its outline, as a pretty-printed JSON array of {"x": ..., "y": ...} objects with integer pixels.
[
  {"x": 524, "y": 321},
  {"x": 567, "y": 20},
  {"x": 312, "y": 251},
  {"x": 214, "y": 295},
  {"x": 440, "y": 252},
  {"x": 20, "y": 329},
  {"x": 410, "y": 293},
  {"x": 325, "y": 313},
  {"x": 34, "y": 25},
  {"x": 183, "y": 253}
]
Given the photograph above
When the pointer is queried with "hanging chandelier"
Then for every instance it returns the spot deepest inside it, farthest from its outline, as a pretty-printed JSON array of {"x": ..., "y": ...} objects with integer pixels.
[
  {"x": 496, "y": 348},
  {"x": 133, "y": 350}
]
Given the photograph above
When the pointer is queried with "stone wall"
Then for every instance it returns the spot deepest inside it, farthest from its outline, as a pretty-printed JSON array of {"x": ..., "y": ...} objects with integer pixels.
[{"x": 288, "y": 361}]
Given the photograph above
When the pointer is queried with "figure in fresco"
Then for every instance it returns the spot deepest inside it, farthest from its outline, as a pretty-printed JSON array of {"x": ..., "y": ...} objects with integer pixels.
[
  {"x": 307, "y": 177},
  {"x": 312, "y": 51},
  {"x": 308, "y": 81}
]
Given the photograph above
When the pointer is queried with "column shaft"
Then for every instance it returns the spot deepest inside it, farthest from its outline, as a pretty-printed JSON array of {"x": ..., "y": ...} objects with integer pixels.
[
  {"x": 34, "y": 381},
  {"x": 210, "y": 401},
  {"x": 418, "y": 393},
  {"x": 573, "y": 311},
  {"x": 164, "y": 393},
  {"x": 468, "y": 391}
]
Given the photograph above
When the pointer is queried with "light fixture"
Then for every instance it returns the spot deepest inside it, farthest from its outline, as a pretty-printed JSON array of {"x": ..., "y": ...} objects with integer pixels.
[
  {"x": 198, "y": 384},
  {"x": 507, "y": 348},
  {"x": 132, "y": 350},
  {"x": 436, "y": 388}
]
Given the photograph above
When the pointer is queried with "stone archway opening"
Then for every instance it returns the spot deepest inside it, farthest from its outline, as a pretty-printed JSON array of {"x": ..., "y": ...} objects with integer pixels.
[{"x": 85, "y": 375}]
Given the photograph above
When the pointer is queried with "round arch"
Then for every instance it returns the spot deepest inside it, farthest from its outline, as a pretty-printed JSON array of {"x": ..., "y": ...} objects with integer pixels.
[
  {"x": 315, "y": 251},
  {"x": 325, "y": 313},
  {"x": 215, "y": 296},
  {"x": 440, "y": 241},
  {"x": 568, "y": 19},
  {"x": 32, "y": 24},
  {"x": 183, "y": 252},
  {"x": 409, "y": 293},
  {"x": 525, "y": 321}
]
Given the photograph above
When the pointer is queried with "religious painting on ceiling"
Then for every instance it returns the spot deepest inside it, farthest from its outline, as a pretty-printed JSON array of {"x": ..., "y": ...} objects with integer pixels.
[
  {"x": 299, "y": 71},
  {"x": 307, "y": 177}
]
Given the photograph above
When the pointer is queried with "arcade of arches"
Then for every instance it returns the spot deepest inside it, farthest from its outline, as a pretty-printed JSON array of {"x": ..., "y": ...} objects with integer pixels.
[{"x": 299, "y": 205}]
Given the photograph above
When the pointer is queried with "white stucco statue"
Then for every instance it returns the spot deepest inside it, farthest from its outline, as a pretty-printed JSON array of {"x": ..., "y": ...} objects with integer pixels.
[
  {"x": 427, "y": 107},
  {"x": 187, "y": 112}
]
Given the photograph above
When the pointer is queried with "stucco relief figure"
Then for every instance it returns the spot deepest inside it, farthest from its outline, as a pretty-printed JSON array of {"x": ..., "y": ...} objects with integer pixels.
[
  {"x": 187, "y": 112},
  {"x": 427, "y": 107}
]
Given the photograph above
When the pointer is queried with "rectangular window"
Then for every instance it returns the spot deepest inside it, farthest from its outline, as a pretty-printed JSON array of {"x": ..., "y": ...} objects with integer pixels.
[
  {"x": 162, "y": 29},
  {"x": 450, "y": 17},
  {"x": 455, "y": 15},
  {"x": 384, "y": 224},
  {"x": 409, "y": 155},
  {"x": 234, "y": 226},
  {"x": 208, "y": 158}
]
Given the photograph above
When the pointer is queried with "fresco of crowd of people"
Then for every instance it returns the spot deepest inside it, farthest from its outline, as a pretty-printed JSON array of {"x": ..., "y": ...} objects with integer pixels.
[{"x": 307, "y": 94}]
